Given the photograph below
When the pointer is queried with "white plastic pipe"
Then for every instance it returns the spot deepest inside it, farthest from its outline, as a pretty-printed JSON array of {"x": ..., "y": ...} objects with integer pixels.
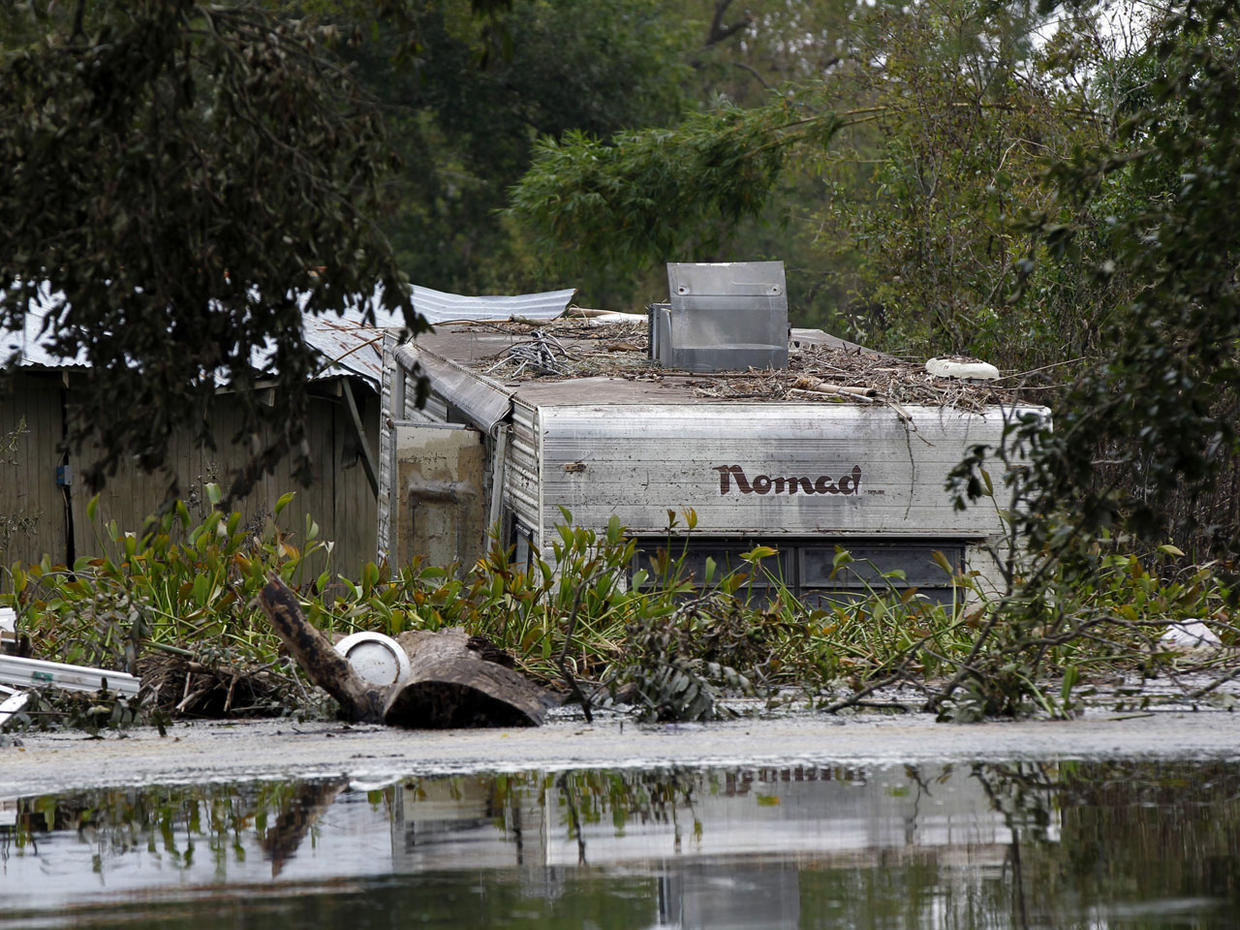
[{"x": 32, "y": 673}]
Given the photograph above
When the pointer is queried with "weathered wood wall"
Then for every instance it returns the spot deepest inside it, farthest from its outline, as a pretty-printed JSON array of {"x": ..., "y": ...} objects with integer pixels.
[
  {"x": 340, "y": 498},
  {"x": 32, "y": 507}
]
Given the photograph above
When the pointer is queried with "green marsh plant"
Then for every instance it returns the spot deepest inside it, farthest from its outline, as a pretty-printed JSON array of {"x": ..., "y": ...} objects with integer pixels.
[{"x": 591, "y": 620}]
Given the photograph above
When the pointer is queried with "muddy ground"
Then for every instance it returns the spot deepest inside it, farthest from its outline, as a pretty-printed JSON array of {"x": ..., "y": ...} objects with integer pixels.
[{"x": 216, "y": 751}]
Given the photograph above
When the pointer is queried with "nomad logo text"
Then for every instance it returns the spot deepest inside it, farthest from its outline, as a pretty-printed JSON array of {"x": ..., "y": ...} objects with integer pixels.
[{"x": 734, "y": 476}]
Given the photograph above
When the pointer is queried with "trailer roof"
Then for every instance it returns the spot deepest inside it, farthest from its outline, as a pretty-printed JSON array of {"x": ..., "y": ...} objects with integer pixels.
[{"x": 604, "y": 360}]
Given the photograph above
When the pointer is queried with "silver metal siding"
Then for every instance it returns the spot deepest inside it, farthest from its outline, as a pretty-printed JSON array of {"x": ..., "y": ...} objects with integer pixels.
[
  {"x": 434, "y": 411},
  {"x": 639, "y": 461},
  {"x": 383, "y": 515},
  {"x": 481, "y": 401},
  {"x": 521, "y": 486}
]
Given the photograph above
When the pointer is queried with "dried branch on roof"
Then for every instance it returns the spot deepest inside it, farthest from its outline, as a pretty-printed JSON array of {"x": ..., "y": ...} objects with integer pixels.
[{"x": 815, "y": 373}]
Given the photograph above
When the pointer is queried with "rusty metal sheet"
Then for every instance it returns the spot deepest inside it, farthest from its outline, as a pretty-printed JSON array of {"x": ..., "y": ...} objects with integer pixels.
[
  {"x": 441, "y": 506},
  {"x": 347, "y": 348}
]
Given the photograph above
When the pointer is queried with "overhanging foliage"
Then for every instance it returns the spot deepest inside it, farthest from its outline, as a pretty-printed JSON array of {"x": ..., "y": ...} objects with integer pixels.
[
  {"x": 179, "y": 177},
  {"x": 648, "y": 196}
]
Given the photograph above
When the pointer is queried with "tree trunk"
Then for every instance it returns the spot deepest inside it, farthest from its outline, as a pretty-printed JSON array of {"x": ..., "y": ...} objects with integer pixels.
[
  {"x": 455, "y": 680},
  {"x": 358, "y": 699},
  {"x": 452, "y": 684}
]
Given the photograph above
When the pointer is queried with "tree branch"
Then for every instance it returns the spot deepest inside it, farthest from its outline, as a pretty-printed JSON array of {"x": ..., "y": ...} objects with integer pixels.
[{"x": 718, "y": 31}]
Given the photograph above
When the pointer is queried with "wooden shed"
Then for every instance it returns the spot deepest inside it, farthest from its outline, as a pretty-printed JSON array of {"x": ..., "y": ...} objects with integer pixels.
[{"x": 43, "y": 505}]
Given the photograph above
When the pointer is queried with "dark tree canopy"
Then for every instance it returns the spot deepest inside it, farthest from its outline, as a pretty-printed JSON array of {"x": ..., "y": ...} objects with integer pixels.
[
  {"x": 180, "y": 178},
  {"x": 1147, "y": 443},
  {"x": 1036, "y": 203},
  {"x": 466, "y": 99}
]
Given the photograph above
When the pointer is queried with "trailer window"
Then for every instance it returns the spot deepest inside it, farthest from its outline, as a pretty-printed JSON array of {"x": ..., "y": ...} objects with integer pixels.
[
  {"x": 688, "y": 560},
  {"x": 523, "y": 546},
  {"x": 807, "y": 567},
  {"x": 869, "y": 563}
]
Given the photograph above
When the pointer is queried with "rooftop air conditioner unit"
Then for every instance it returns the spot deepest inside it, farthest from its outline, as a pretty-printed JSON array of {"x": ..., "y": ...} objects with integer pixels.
[{"x": 726, "y": 316}]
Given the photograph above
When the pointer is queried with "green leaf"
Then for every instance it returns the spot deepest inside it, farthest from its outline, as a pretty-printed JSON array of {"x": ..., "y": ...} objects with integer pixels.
[
  {"x": 1071, "y": 675},
  {"x": 283, "y": 502},
  {"x": 757, "y": 553},
  {"x": 941, "y": 561}
]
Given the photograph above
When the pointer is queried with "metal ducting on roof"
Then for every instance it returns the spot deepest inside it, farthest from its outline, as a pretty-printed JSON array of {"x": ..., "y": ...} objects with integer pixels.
[
  {"x": 722, "y": 317},
  {"x": 481, "y": 400}
]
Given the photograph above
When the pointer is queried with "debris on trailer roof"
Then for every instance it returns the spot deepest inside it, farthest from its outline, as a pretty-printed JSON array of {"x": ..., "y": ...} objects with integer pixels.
[{"x": 821, "y": 368}]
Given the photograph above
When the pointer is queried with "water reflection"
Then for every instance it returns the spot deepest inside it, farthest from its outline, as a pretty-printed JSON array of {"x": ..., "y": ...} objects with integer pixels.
[{"x": 1130, "y": 845}]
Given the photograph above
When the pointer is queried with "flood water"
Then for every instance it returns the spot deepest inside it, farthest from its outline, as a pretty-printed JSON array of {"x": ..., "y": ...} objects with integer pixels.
[{"x": 1064, "y": 845}]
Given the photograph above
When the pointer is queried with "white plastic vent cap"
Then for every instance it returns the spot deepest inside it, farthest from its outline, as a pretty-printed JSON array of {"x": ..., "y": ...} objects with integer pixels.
[{"x": 377, "y": 658}]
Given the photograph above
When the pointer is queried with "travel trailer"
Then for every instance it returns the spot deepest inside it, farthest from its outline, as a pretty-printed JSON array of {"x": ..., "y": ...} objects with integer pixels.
[{"x": 790, "y": 438}]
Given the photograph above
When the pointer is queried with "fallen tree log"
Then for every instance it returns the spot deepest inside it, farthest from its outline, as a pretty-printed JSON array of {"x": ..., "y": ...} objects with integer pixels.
[{"x": 455, "y": 680}]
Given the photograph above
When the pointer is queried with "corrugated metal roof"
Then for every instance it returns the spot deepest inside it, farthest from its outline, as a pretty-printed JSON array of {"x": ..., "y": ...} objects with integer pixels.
[
  {"x": 347, "y": 344},
  {"x": 28, "y": 342},
  {"x": 439, "y": 307},
  {"x": 442, "y": 307},
  {"x": 347, "y": 347}
]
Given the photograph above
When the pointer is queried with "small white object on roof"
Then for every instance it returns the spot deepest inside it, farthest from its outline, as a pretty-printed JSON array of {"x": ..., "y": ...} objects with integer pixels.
[
  {"x": 970, "y": 370},
  {"x": 377, "y": 658},
  {"x": 1188, "y": 634}
]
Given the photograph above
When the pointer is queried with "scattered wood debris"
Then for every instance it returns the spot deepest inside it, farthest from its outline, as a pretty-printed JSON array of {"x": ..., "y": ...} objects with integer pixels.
[
  {"x": 195, "y": 686},
  {"x": 816, "y": 373}
]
